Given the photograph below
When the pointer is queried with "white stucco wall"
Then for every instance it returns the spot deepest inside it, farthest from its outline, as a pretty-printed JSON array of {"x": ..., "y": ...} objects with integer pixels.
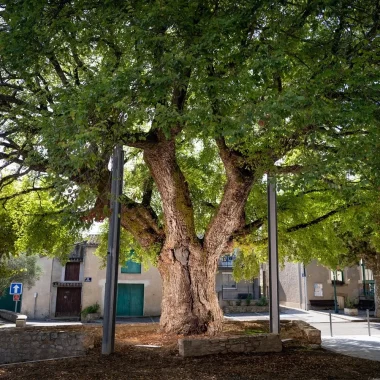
[{"x": 39, "y": 307}]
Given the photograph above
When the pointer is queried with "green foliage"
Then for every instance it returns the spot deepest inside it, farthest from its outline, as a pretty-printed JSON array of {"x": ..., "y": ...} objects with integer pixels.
[
  {"x": 292, "y": 83},
  {"x": 90, "y": 310},
  {"x": 130, "y": 249},
  {"x": 349, "y": 303},
  {"x": 21, "y": 268},
  {"x": 249, "y": 299},
  {"x": 263, "y": 301},
  {"x": 247, "y": 262},
  {"x": 35, "y": 224}
]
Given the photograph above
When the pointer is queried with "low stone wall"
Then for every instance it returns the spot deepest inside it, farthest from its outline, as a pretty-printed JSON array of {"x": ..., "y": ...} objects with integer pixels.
[
  {"x": 309, "y": 333},
  {"x": 233, "y": 344},
  {"x": 34, "y": 343},
  {"x": 245, "y": 309},
  {"x": 19, "y": 319}
]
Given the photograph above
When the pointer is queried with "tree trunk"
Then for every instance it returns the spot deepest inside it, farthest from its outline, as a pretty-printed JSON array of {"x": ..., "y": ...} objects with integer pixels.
[
  {"x": 376, "y": 277},
  {"x": 189, "y": 303}
]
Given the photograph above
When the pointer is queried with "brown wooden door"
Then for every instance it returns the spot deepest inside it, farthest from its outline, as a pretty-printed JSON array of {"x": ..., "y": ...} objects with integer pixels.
[
  {"x": 72, "y": 271},
  {"x": 68, "y": 302}
]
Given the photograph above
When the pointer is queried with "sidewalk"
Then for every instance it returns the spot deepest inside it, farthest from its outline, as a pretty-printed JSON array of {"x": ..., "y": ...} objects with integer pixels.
[
  {"x": 365, "y": 347},
  {"x": 350, "y": 334}
]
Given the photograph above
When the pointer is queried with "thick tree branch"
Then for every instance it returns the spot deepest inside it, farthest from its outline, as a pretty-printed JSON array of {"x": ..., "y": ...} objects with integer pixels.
[
  {"x": 174, "y": 192},
  {"x": 23, "y": 192},
  {"x": 58, "y": 69},
  {"x": 249, "y": 228},
  {"x": 147, "y": 191},
  {"x": 289, "y": 169},
  {"x": 140, "y": 140},
  {"x": 319, "y": 219},
  {"x": 229, "y": 216}
]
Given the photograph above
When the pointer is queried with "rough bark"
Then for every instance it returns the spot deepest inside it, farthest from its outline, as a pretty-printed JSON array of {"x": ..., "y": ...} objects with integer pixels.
[
  {"x": 376, "y": 277},
  {"x": 189, "y": 302},
  {"x": 187, "y": 265}
]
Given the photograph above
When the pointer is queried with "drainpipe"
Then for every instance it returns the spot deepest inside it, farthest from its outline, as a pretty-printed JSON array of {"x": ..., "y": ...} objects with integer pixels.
[
  {"x": 363, "y": 271},
  {"x": 305, "y": 283},
  {"x": 300, "y": 283}
]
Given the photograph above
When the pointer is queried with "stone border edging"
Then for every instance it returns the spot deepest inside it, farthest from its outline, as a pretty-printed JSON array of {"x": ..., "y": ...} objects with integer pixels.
[
  {"x": 19, "y": 319},
  {"x": 189, "y": 347}
]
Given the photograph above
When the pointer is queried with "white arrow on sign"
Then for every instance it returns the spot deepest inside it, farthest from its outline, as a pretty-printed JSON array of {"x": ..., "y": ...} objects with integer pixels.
[{"x": 16, "y": 288}]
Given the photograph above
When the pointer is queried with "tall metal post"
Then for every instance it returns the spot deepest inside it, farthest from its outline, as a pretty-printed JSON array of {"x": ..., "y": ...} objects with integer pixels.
[
  {"x": 363, "y": 271},
  {"x": 335, "y": 299},
  {"x": 273, "y": 257},
  {"x": 110, "y": 294}
]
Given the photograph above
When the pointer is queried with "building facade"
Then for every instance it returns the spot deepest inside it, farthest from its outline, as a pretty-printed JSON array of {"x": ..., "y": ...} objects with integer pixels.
[
  {"x": 64, "y": 289},
  {"x": 300, "y": 286}
]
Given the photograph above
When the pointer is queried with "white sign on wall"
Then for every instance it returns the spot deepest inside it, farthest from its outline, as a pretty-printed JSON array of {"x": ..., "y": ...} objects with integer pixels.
[{"x": 318, "y": 290}]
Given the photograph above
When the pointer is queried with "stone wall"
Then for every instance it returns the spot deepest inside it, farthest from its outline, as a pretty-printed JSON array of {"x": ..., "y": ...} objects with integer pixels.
[
  {"x": 18, "y": 319},
  {"x": 33, "y": 343},
  {"x": 309, "y": 333},
  {"x": 233, "y": 344}
]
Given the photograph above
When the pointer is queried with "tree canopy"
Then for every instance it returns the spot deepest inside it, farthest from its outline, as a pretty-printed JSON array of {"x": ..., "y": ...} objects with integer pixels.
[{"x": 206, "y": 97}]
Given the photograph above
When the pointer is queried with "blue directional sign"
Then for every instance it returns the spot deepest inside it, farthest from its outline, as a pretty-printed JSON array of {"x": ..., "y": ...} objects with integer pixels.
[{"x": 15, "y": 288}]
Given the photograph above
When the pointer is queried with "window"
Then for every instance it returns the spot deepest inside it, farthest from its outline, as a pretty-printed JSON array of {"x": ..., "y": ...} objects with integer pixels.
[
  {"x": 72, "y": 271},
  {"x": 337, "y": 275},
  {"x": 131, "y": 267},
  {"x": 228, "y": 281}
]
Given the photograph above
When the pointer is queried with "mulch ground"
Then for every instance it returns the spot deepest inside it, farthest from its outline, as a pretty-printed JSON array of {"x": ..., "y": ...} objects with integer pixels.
[{"x": 297, "y": 361}]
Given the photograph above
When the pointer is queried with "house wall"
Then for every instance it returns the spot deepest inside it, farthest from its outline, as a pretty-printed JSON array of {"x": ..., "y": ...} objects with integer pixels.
[
  {"x": 317, "y": 273},
  {"x": 39, "y": 307},
  {"x": 291, "y": 285},
  {"x": 44, "y": 305},
  {"x": 93, "y": 291}
]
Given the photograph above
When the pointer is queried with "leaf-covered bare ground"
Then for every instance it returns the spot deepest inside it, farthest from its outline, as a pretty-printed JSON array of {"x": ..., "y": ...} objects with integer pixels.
[{"x": 297, "y": 361}]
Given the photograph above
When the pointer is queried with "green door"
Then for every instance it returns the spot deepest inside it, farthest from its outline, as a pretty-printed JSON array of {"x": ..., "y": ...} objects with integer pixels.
[{"x": 130, "y": 300}]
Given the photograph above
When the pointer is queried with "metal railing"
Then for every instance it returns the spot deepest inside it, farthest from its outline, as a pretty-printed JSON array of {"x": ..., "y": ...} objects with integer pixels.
[{"x": 238, "y": 293}]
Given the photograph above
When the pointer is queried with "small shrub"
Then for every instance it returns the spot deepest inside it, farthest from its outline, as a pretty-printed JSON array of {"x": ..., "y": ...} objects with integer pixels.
[
  {"x": 90, "y": 309},
  {"x": 249, "y": 299},
  {"x": 230, "y": 303},
  {"x": 349, "y": 303},
  {"x": 238, "y": 303},
  {"x": 262, "y": 302}
]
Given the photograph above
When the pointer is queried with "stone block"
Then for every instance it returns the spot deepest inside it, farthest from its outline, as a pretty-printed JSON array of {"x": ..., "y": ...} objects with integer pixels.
[{"x": 200, "y": 347}]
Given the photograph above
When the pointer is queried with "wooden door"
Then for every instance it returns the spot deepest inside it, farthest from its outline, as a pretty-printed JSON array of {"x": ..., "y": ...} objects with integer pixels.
[
  {"x": 72, "y": 271},
  {"x": 68, "y": 302},
  {"x": 130, "y": 300}
]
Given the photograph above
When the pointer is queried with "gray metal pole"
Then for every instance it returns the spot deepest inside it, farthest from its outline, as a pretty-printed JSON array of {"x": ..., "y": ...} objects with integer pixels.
[
  {"x": 335, "y": 299},
  {"x": 369, "y": 326},
  {"x": 331, "y": 334},
  {"x": 108, "y": 343},
  {"x": 273, "y": 257}
]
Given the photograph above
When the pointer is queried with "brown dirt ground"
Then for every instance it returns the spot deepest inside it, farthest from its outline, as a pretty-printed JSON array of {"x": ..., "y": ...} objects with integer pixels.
[{"x": 297, "y": 361}]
